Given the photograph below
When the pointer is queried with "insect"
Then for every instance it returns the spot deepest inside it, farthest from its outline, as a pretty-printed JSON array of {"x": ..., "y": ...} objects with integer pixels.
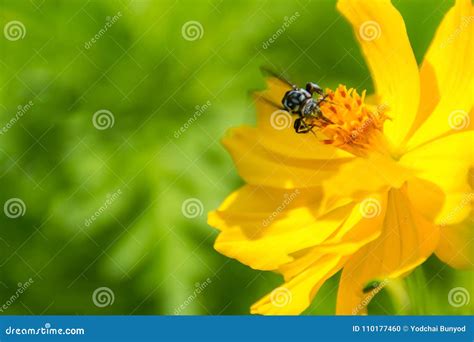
[
  {"x": 372, "y": 285},
  {"x": 302, "y": 102}
]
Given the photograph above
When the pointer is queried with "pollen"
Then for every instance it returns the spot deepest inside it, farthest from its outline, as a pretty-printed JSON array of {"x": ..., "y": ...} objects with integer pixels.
[{"x": 350, "y": 123}]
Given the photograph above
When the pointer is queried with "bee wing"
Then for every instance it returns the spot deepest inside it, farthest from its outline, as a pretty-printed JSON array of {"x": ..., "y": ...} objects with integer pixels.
[
  {"x": 271, "y": 102},
  {"x": 276, "y": 88},
  {"x": 261, "y": 96},
  {"x": 275, "y": 77}
]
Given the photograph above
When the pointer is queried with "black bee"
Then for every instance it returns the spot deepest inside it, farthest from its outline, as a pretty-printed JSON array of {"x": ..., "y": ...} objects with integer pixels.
[{"x": 302, "y": 102}]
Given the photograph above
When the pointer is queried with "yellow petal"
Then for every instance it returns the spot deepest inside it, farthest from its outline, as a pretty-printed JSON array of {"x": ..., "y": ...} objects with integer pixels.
[
  {"x": 363, "y": 225},
  {"x": 447, "y": 77},
  {"x": 426, "y": 197},
  {"x": 456, "y": 245},
  {"x": 381, "y": 33},
  {"x": 407, "y": 239},
  {"x": 262, "y": 227},
  {"x": 261, "y": 166},
  {"x": 313, "y": 266},
  {"x": 445, "y": 163},
  {"x": 357, "y": 179},
  {"x": 296, "y": 295},
  {"x": 258, "y": 165}
]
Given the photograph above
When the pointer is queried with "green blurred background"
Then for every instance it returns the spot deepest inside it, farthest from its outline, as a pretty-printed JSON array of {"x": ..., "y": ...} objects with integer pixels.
[{"x": 143, "y": 71}]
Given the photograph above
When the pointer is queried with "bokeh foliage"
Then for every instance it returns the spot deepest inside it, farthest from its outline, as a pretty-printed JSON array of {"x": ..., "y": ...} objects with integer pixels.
[{"x": 151, "y": 79}]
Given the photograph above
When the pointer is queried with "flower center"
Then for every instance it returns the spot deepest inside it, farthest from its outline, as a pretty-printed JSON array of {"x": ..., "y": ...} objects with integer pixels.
[{"x": 351, "y": 124}]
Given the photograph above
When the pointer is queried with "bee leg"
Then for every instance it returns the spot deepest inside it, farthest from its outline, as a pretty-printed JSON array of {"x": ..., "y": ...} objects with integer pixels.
[
  {"x": 327, "y": 120},
  {"x": 298, "y": 125},
  {"x": 302, "y": 127},
  {"x": 324, "y": 99},
  {"x": 318, "y": 114}
]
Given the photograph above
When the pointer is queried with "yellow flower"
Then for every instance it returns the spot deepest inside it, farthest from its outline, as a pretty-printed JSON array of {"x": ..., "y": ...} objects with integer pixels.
[{"x": 384, "y": 184}]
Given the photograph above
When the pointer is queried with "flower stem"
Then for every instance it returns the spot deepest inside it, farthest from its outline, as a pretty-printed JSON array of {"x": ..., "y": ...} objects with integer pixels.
[{"x": 396, "y": 288}]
